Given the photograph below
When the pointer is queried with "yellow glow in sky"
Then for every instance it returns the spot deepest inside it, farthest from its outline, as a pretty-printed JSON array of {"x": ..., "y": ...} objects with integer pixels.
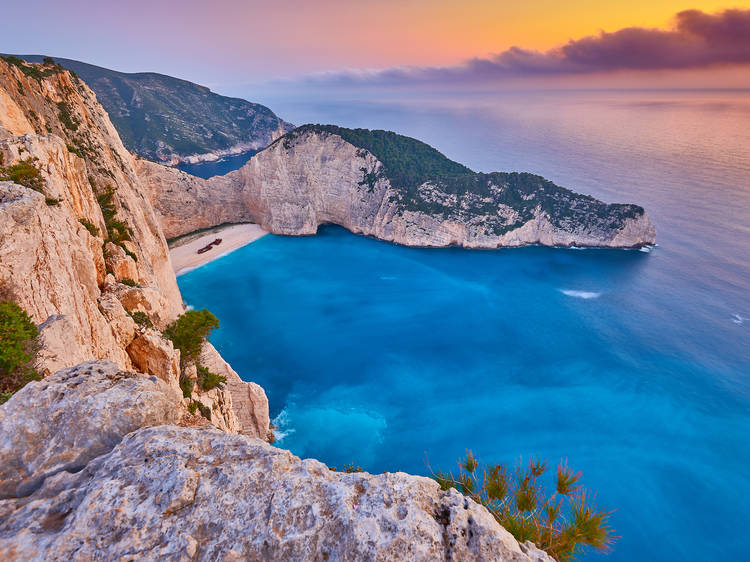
[{"x": 446, "y": 31}]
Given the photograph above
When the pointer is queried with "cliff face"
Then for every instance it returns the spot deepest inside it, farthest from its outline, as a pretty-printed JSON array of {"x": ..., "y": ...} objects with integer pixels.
[
  {"x": 102, "y": 477},
  {"x": 186, "y": 203},
  {"x": 314, "y": 176},
  {"x": 80, "y": 245}
]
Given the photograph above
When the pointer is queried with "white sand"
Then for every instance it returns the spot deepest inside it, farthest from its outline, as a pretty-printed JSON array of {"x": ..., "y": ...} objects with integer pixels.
[{"x": 184, "y": 254}]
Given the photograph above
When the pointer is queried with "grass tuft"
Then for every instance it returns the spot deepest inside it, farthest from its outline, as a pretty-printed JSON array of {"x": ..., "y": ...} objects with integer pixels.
[{"x": 564, "y": 523}]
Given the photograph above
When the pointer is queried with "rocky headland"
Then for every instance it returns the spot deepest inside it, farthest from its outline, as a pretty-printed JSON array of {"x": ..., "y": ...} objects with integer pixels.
[
  {"x": 394, "y": 188},
  {"x": 81, "y": 249},
  {"x": 94, "y": 464}
]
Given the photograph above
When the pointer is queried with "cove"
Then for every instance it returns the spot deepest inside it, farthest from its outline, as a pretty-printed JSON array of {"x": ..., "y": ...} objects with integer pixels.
[{"x": 387, "y": 356}]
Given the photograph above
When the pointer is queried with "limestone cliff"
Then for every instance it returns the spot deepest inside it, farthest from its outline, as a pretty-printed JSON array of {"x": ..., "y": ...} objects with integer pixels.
[
  {"x": 81, "y": 249},
  {"x": 109, "y": 479},
  {"x": 315, "y": 176}
]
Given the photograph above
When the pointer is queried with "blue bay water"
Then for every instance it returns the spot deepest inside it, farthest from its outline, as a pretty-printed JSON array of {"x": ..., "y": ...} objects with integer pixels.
[
  {"x": 218, "y": 167},
  {"x": 633, "y": 366}
]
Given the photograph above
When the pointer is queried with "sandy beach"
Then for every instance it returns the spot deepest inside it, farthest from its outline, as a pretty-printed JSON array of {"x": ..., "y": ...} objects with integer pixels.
[{"x": 184, "y": 252}]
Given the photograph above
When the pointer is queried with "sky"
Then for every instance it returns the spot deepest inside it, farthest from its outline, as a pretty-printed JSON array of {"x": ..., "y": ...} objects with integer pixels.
[{"x": 231, "y": 45}]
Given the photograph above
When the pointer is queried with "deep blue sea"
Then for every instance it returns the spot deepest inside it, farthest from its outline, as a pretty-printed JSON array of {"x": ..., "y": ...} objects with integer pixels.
[
  {"x": 634, "y": 366},
  {"x": 217, "y": 167}
]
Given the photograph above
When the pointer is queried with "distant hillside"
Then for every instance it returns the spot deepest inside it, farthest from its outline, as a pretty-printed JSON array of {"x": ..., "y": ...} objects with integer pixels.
[{"x": 170, "y": 120}]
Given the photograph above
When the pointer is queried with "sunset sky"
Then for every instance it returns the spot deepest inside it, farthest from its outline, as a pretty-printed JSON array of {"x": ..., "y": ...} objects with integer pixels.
[{"x": 229, "y": 43}]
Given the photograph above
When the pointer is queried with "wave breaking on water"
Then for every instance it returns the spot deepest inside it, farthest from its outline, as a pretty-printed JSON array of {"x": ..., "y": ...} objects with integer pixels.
[{"x": 580, "y": 294}]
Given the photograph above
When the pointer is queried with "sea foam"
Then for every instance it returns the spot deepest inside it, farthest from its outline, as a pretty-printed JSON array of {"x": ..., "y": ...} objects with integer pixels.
[
  {"x": 281, "y": 423},
  {"x": 580, "y": 294}
]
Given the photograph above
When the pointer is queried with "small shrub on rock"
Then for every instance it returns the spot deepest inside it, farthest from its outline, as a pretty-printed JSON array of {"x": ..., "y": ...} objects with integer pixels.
[
  {"x": 117, "y": 230},
  {"x": 188, "y": 332},
  {"x": 18, "y": 336},
  {"x": 24, "y": 173},
  {"x": 563, "y": 523},
  {"x": 92, "y": 228},
  {"x": 209, "y": 380},
  {"x": 129, "y": 282},
  {"x": 196, "y": 406},
  {"x": 128, "y": 252},
  {"x": 186, "y": 385},
  {"x": 205, "y": 410},
  {"x": 350, "y": 468},
  {"x": 66, "y": 116},
  {"x": 141, "y": 318},
  {"x": 74, "y": 150}
]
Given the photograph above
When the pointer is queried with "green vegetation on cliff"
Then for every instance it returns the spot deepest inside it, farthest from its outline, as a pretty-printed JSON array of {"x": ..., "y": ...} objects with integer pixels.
[
  {"x": 407, "y": 162},
  {"x": 426, "y": 181},
  {"x": 189, "y": 331},
  {"x": 37, "y": 72},
  {"x": 187, "y": 334},
  {"x": 159, "y": 116},
  {"x": 117, "y": 231},
  {"x": 18, "y": 335},
  {"x": 23, "y": 173}
]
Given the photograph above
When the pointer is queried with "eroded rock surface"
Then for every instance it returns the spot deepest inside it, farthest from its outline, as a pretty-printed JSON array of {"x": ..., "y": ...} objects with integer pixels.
[
  {"x": 45, "y": 256},
  {"x": 81, "y": 481},
  {"x": 65, "y": 420},
  {"x": 249, "y": 401},
  {"x": 154, "y": 354}
]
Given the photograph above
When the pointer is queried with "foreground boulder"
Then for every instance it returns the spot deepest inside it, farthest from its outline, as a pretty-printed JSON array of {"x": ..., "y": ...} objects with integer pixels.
[
  {"x": 85, "y": 477},
  {"x": 176, "y": 493},
  {"x": 64, "y": 421}
]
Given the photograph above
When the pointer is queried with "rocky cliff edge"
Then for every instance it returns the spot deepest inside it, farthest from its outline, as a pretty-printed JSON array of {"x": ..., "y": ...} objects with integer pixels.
[{"x": 92, "y": 466}]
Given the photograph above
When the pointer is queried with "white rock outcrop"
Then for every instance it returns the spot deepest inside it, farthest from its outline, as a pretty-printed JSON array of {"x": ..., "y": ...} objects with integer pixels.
[
  {"x": 92, "y": 485},
  {"x": 312, "y": 178},
  {"x": 154, "y": 354},
  {"x": 65, "y": 420},
  {"x": 249, "y": 401}
]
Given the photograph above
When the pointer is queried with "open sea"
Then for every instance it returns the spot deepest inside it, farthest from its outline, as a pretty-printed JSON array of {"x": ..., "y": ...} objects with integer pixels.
[{"x": 632, "y": 365}]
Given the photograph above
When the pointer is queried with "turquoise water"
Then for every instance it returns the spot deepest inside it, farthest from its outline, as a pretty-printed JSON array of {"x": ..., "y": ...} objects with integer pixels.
[
  {"x": 217, "y": 167},
  {"x": 634, "y": 366}
]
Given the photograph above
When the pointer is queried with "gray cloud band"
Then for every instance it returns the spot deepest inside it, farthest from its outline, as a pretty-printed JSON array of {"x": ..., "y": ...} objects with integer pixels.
[{"x": 698, "y": 40}]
